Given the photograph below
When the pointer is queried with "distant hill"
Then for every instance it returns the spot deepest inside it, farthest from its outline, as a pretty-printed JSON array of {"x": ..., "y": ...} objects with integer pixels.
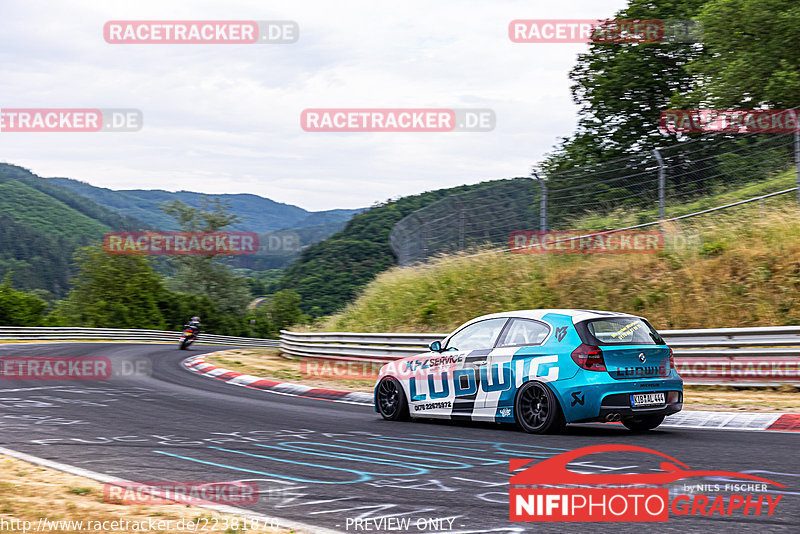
[
  {"x": 259, "y": 214},
  {"x": 330, "y": 273},
  {"x": 41, "y": 224},
  {"x": 43, "y": 221}
]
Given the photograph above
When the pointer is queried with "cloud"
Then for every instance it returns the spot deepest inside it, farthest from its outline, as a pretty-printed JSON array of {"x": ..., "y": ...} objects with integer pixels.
[{"x": 226, "y": 118}]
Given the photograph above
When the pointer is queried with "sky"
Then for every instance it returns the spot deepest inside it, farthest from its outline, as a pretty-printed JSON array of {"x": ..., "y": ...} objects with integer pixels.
[{"x": 225, "y": 118}]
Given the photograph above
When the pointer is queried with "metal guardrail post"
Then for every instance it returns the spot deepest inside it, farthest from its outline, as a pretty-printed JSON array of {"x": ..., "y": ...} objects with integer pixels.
[
  {"x": 662, "y": 184},
  {"x": 797, "y": 151},
  {"x": 542, "y": 202}
]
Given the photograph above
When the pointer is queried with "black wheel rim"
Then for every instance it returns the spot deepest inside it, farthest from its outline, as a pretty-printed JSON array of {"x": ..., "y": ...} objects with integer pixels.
[
  {"x": 534, "y": 407},
  {"x": 388, "y": 397}
]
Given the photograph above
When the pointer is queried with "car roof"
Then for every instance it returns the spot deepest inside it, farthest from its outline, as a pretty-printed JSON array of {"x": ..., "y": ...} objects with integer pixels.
[{"x": 576, "y": 314}]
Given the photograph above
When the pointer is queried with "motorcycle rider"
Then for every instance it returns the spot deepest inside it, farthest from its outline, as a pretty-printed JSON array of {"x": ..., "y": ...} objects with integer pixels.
[{"x": 194, "y": 324}]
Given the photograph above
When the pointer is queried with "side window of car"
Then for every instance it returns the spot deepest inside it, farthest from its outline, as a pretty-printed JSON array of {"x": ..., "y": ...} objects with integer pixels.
[
  {"x": 480, "y": 335},
  {"x": 523, "y": 332}
]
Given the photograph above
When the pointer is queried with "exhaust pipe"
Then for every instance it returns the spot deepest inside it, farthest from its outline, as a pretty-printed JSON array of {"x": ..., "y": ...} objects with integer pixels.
[{"x": 612, "y": 417}]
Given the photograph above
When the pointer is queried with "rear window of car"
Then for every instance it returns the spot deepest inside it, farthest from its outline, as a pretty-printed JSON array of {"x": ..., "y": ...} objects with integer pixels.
[{"x": 619, "y": 331}]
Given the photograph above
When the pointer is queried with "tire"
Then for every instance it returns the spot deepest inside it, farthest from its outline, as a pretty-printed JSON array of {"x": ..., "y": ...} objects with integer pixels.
[
  {"x": 640, "y": 423},
  {"x": 537, "y": 411},
  {"x": 184, "y": 345},
  {"x": 391, "y": 400}
]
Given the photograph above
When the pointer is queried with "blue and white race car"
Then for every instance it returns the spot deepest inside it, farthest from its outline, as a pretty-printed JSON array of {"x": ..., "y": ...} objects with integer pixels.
[{"x": 539, "y": 369}]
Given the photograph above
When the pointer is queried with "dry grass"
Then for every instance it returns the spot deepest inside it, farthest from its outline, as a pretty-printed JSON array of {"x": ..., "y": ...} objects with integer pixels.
[
  {"x": 29, "y": 492},
  {"x": 737, "y": 269},
  {"x": 266, "y": 363}
]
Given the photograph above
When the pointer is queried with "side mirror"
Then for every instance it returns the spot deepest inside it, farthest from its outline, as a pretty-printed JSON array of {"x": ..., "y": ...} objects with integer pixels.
[{"x": 436, "y": 346}]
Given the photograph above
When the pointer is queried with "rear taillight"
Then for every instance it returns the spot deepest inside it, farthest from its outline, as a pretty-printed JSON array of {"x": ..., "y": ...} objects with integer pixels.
[
  {"x": 671, "y": 359},
  {"x": 589, "y": 357}
]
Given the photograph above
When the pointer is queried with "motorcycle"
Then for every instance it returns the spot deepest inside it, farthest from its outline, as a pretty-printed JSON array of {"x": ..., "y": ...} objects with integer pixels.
[{"x": 187, "y": 338}]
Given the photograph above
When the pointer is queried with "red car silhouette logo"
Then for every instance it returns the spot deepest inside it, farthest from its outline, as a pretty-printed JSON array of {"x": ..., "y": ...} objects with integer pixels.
[{"x": 553, "y": 471}]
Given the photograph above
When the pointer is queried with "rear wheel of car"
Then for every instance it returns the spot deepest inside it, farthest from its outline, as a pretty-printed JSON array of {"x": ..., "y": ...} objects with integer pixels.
[
  {"x": 537, "y": 410},
  {"x": 391, "y": 400},
  {"x": 640, "y": 423}
]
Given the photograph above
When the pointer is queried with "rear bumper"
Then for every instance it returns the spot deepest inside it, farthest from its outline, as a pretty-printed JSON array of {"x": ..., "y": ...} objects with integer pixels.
[
  {"x": 593, "y": 396},
  {"x": 619, "y": 405}
]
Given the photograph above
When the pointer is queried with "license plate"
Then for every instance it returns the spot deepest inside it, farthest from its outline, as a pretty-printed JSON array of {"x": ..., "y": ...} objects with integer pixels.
[{"x": 647, "y": 399}]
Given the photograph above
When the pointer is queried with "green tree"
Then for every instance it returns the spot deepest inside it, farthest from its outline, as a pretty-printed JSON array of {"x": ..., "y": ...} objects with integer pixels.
[
  {"x": 112, "y": 292},
  {"x": 282, "y": 311},
  {"x": 18, "y": 308},
  {"x": 622, "y": 88},
  {"x": 207, "y": 275},
  {"x": 753, "y": 59}
]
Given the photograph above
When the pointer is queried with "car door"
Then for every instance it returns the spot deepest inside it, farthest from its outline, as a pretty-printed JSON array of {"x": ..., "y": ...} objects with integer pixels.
[
  {"x": 498, "y": 377},
  {"x": 471, "y": 347}
]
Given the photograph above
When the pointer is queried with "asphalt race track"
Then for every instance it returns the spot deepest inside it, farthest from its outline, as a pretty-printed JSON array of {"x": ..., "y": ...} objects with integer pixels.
[{"x": 327, "y": 464}]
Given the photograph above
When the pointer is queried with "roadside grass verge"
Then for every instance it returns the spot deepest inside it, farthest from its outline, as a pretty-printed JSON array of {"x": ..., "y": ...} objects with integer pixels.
[
  {"x": 266, "y": 363},
  {"x": 737, "y": 268},
  {"x": 622, "y": 218},
  {"x": 29, "y": 492}
]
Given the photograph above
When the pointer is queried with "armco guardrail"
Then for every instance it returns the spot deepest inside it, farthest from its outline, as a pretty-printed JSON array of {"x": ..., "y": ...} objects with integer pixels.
[
  {"x": 756, "y": 356},
  {"x": 116, "y": 334}
]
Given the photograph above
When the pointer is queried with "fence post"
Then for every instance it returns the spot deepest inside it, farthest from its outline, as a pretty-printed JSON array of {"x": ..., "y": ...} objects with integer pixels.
[
  {"x": 542, "y": 203},
  {"x": 797, "y": 152},
  {"x": 662, "y": 186},
  {"x": 425, "y": 241},
  {"x": 461, "y": 223}
]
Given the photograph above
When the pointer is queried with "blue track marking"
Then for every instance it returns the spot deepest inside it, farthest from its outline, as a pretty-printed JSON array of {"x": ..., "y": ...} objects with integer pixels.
[
  {"x": 403, "y": 461},
  {"x": 485, "y": 461},
  {"x": 411, "y": 470},
  {"x": 363, "y": 477}
]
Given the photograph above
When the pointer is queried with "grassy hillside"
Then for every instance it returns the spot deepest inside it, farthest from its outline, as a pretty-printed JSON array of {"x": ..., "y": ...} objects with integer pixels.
[
  {"x": 42, "y": 224},
  {"x": 330, "y": 274},
  {"x": 735, "y": 268},
  {"x": 718, "y": 196}
]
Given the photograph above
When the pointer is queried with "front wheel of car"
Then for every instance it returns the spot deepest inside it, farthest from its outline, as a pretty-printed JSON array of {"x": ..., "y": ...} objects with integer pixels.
[
  {"x": 537, "y": 410},
  {"x": 391, "y": 400},
  {"x": 640, "y": 423}
]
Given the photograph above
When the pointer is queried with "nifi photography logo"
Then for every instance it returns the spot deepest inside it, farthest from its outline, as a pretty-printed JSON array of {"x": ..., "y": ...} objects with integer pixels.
[{"x": 549, "y": 491}]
